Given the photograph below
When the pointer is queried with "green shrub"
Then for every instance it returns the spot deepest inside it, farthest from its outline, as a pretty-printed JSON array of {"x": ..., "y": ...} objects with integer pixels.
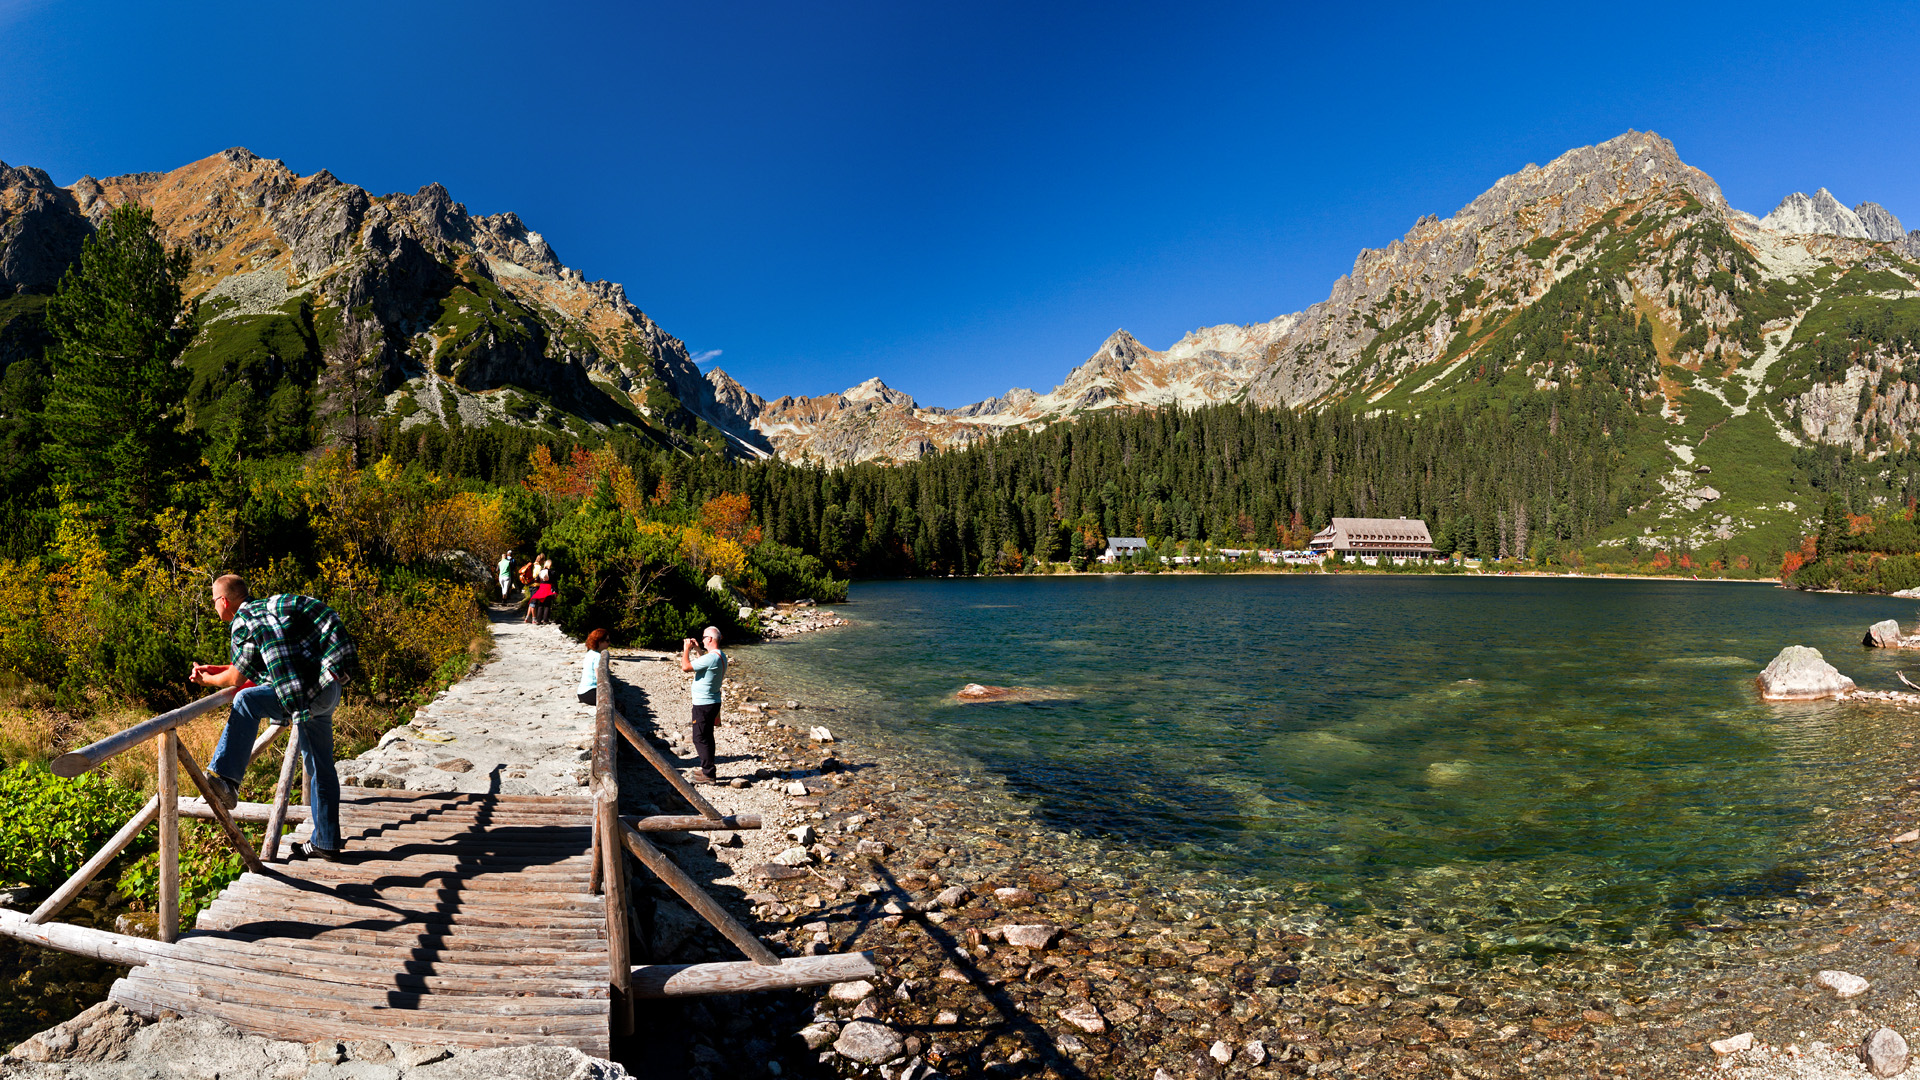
[
  {"x": 791, "y": 574},
  {"x": 49, "y": 826}
]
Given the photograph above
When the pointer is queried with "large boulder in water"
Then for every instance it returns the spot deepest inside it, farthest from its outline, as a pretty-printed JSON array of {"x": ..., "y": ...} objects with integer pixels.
[
  {"x": 1884, "y": 634},
  {"x": 1801, "y": 674}
]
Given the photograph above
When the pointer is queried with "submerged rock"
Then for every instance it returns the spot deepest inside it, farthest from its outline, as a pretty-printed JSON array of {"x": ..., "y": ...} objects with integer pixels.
[
  {"x": 1844, "y": 984},
  {"x": 975, "y": 692},
  {"x": 1801, "y": 674},
  {"x": 1733, "y": 1044}
]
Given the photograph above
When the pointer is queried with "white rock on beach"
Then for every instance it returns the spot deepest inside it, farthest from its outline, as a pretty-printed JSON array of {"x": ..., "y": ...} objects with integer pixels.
[
  {"x": 1885, "y": 1052},
  {"x": 1844, "y": 984},
  {"x": 1801, "y": 674},
  {"x": 868, "y": 1043},
  {"x": 794, "y": 856},
  {"x": 857, "y": 990}
]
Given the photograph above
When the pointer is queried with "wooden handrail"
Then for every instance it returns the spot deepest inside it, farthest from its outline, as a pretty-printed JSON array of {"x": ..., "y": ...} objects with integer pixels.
[
  {"x": 666, "y": 870},
  {"x": 611, "y": 863},
  {"x": 664, "y": 767},
  {"x": 74, "y": 762},
  {"x": 692, "y": 822},
  {"x": 739, "y": 977}
]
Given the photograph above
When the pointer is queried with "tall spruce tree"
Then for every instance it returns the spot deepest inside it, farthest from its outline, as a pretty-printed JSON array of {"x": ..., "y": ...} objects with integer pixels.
[{"x": 113, "y": 414}]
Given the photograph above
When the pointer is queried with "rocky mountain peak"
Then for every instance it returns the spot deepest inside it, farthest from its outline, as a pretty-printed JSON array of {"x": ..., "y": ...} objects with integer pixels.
[
  {"x": 729, "y": 394},
  {"x": 874, "y": 390},
  {"x": 1879, "y": 222},
  {"x": 1120, "y": 352},
  {"x": 1820, "y": 214}
]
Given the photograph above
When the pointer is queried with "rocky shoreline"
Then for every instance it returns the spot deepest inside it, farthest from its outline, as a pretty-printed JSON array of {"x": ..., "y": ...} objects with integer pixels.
[{"x": 1008, "y": 948}]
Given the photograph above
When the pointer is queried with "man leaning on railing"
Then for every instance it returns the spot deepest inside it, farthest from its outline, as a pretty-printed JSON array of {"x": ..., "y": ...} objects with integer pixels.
[{"x": 298, "y": 652}]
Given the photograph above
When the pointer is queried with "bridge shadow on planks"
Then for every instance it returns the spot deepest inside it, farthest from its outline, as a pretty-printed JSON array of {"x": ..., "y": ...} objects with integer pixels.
[{"x": 455, "y": 919}]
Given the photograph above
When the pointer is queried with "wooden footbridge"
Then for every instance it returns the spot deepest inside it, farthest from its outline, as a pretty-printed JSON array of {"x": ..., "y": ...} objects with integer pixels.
[{"x": 450, "y": 919}]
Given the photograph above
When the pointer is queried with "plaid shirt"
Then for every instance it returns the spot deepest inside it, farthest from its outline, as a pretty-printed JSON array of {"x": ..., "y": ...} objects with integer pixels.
[{"x": 293, "y": 643}]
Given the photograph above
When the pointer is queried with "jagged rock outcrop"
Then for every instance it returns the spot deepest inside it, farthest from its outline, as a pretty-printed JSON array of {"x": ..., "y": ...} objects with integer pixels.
[
  {"x": 1880, "y": 223},
  {"x": 41, "y": 231}
]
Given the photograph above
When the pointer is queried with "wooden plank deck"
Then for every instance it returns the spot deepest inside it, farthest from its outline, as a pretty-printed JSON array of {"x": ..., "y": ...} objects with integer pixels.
[{"x": 453, "y": 919}]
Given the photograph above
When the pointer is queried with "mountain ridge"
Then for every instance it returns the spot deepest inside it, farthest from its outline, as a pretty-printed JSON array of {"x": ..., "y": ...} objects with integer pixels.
[{"x": 1616, "y": 262}]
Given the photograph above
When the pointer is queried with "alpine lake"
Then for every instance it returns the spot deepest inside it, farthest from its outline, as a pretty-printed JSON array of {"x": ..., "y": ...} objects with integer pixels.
[{"x": 1514, "y": 825}]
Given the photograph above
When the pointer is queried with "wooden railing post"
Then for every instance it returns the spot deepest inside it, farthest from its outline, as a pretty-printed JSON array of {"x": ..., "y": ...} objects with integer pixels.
[
  {"x": 270, "y": 843},
  {"x": 169, "y": 792},
  {"x": 709, "y": 909},
  {"x": 612, "y": 862},
  {"x": 613, "y": 877},
  {"x": 220, "y": 813}
]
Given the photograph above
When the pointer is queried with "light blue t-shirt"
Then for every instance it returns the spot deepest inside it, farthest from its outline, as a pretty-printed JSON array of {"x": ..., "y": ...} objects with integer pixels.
[
  {"x": 708, "y": 669},
  {"x": 589, "y": 673}
]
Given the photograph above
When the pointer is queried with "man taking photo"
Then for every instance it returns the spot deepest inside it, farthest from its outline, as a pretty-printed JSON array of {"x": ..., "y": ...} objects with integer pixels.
[
  {"x": 298, "y": 653},
  {"x": 709, "y": 671}
]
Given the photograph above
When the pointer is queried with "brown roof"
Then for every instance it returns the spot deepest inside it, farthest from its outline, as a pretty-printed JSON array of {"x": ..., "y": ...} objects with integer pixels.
[{"x": 1405, "y": 532}]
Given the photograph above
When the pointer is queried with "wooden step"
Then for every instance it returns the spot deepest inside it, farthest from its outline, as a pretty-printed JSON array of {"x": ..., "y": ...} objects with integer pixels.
[
  {"x": 348, "y": 989},
  {"x": 582, "y": 962},
  {"x": 310, "y": 1025}
]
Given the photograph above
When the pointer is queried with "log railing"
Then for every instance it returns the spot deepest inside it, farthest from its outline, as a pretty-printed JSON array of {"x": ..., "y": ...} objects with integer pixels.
[
  {"x": 615, "y": 836},
  {"x": 166, "y": 806}
]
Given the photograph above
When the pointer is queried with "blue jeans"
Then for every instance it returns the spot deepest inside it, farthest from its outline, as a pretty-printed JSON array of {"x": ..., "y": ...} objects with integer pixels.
[{"x": 316, "y": 752}]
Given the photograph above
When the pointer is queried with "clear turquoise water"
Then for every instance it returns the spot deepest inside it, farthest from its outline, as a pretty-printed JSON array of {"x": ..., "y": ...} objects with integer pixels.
[{"x": 1541, "y": 763}]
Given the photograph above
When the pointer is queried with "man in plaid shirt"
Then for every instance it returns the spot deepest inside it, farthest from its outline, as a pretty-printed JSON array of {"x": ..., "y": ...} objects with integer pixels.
[{"x": 298, "y": 653}]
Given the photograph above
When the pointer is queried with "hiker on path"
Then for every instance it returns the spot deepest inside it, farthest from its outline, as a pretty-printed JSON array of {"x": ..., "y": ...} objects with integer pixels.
[
  {"x": 506, "y": 576},
  {"x": 297, "y": 652},
  {"x": 589, "y": 690},
  {"x": 709, "y": 670}
]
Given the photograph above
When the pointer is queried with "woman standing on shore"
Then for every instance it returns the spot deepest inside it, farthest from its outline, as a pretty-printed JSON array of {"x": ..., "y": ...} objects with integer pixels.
[{"x": 589, "y": 690}]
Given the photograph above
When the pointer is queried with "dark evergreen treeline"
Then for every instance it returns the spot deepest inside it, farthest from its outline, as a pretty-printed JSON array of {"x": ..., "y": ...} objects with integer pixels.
[
  {"x": 1504, "y": 479},
  {"x": 1535, "y": 475}
]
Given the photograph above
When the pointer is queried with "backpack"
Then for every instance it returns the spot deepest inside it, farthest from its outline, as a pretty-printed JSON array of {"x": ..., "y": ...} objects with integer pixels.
[{"x": 526, "y": 574}]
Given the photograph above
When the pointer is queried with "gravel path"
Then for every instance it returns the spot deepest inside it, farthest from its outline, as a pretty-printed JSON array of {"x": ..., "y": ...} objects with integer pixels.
[{"x": 512, "y": 726}]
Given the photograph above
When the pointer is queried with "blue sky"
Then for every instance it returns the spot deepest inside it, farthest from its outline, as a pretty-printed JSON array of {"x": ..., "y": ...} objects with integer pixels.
[{"x": 963, "y": 198}]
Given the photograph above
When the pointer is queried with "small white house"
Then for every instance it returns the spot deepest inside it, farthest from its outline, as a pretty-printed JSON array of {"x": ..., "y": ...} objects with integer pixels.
[{"x": 1120, "y": 547}]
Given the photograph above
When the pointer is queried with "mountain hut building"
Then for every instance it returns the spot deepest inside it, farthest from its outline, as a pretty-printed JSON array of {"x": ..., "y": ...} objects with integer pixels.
[{"x": 1369, "y": 539}]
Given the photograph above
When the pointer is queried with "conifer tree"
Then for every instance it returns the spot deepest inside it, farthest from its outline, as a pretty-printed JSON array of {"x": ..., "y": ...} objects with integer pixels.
[{"x": 114, "y": 412}]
